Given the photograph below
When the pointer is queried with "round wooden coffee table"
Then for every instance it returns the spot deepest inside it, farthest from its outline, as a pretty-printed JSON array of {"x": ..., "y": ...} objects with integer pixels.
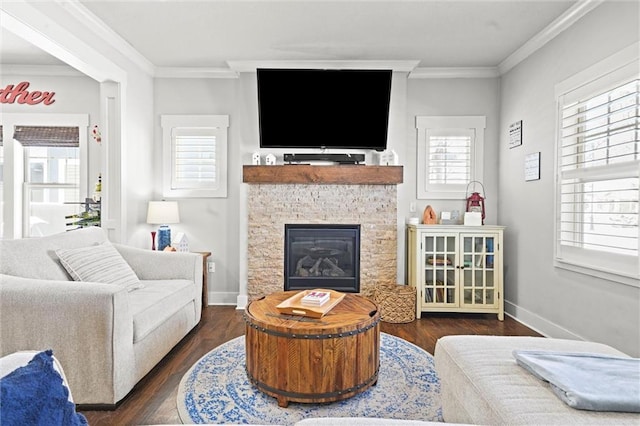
[{"x": 301, "y": 359}]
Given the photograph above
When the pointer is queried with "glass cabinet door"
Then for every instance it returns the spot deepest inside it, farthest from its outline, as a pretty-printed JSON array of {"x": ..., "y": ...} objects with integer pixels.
[
  {"x": 440, "y": 269},
  {"x": 478, "y": 278}
]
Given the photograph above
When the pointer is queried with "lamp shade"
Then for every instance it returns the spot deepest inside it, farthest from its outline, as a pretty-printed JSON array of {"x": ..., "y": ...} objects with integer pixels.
[{"x": 163, "y": 212}]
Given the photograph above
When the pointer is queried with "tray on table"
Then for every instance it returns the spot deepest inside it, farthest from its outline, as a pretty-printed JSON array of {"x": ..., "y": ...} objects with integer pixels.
[{"x": 294, "y": 306}]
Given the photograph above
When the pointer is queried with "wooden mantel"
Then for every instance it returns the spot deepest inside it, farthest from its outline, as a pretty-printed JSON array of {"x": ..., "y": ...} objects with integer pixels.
[{"x": 326, "y": 174}]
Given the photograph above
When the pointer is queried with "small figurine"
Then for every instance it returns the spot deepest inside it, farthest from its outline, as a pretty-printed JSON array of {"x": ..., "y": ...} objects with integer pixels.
[
  {"x": 95, "y": 132},
  {"x": 270, "y": 160},
  {"x": 255, "y": 159},
  {"x": 429, "y": 216}
]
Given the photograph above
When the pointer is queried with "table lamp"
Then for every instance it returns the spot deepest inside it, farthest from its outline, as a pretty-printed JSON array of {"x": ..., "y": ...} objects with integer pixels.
[{"x": 162, "y": 213}]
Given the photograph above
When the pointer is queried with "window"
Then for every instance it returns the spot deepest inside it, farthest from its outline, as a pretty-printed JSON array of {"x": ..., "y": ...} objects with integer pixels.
[
  {"x": 450, "y": 155},
  {"x": 195, "y": 155},
  {"x": 52, "y": 177},
  {"x": 45, "y": 166},
  {"x": 598, "y": 175}
]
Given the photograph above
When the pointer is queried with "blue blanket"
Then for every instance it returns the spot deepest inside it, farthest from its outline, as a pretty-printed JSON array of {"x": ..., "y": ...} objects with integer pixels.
[
  {"x": 35, "y": 395},
  {"x": 587, "y": 381}
]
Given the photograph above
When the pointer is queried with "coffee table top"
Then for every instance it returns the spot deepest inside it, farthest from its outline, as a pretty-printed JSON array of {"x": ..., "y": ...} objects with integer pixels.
[{"x": 353, "y": 312}]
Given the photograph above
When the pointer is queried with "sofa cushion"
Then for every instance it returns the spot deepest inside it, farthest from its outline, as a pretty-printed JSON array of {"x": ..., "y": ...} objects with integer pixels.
[
  {"x": 36, "y": 258},
  {"x": 100, "y": 263},
  {"x": 156, "y": 302}
]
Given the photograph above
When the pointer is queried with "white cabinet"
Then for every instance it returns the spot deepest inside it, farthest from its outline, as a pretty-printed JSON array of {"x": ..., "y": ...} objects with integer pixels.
[{"x": 456, "y": 268}]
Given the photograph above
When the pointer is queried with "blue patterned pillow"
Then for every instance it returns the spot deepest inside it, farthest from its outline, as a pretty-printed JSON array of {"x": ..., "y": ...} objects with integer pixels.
[{"x": 36, "y": 395}]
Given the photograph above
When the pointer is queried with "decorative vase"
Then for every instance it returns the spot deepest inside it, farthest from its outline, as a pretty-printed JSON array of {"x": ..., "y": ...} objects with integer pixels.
[
  {"x": 153, "y": 240},
  {"x": 164, "y": 237}
]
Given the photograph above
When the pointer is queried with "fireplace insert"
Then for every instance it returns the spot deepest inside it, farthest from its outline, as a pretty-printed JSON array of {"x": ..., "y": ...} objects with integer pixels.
[{"x": 322, "y": 256}]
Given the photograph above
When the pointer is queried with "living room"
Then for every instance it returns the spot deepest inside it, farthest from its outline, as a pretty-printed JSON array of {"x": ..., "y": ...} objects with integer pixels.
[{"x": 92, "y": 72}]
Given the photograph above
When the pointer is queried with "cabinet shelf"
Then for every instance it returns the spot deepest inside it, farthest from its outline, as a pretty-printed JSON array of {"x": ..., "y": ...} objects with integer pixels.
[{"x": 456, "y": 268}]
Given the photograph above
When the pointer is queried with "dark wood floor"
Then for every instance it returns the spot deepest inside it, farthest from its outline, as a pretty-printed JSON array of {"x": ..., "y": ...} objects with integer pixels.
[{"x": 153, "y": 400}]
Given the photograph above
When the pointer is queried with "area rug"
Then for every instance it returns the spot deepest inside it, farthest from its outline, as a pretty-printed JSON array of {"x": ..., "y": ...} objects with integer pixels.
[{"x": 216, "y": 390}]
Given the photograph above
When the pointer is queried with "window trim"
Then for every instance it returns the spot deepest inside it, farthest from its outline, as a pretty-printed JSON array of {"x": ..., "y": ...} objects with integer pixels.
[
  {"x": 617, "y": 68},
  {"x": 219, "y": 124},
  {"x": 425, "y": 124}
]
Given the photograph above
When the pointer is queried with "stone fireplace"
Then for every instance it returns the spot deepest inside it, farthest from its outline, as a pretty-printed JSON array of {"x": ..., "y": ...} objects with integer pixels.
[
  {"x": 303, "y": 194},
  {"x": 322, "y": 256}
]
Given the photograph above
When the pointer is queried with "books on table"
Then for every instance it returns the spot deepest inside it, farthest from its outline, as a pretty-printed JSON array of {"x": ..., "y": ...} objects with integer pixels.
[{"x": 315, "y": 298}]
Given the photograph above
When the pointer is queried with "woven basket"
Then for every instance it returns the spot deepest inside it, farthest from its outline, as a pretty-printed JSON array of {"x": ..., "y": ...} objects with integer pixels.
[{"x": 397, "y": 303}]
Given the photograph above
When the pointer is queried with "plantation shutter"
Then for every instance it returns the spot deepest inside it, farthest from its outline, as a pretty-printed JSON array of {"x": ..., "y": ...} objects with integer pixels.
[
  {"x": 599, "y": 171},
  {"x": 194, "y": 158},
  {"x": 450, "y": 154},
  {"x": 449, "y": 160}
]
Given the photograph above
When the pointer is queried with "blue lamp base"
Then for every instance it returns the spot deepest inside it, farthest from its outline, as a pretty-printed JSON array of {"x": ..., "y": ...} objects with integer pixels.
[{"x": 164, "y": 237}]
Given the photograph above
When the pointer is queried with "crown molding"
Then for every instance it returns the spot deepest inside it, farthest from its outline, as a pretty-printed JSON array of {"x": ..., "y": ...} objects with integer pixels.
[
  {"x": 48, "y": 70},
  {"x": 251, "y": 66},
  {"x": 84, "y": 15},
  {"x": 555, "y": 28},
  {"x": 102, "y": 30},
  {"x": 455, "y": 72},
  {"x": 44, "y": 32},
  {"x": 194, "y": 72}
]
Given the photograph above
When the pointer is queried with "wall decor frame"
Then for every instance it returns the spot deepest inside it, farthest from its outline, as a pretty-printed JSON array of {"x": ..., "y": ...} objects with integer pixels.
[
  {"x": 515, "y": 134},
  {"x": 532, "y": 166}
]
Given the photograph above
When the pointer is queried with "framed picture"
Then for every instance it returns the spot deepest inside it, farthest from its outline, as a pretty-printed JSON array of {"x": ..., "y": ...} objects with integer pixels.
[
  {"x": 532, "y": 166},
  {"x": 515, "y": 134}
]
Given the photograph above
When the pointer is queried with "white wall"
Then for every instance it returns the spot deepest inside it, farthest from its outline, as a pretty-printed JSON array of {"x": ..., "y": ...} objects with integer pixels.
[
  {"x": 211, "y": 224},
  {"x": 454, "y": 96},
  {"x": 461, "y": 96},
  {"x": 558, "y": 302},
  {"x": 136, "y": 146}
]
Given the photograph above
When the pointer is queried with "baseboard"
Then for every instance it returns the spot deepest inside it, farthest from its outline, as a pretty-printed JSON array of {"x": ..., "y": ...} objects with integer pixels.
[
  {"x": 538, "y": 323},
  {"x": 242, "y": 301},
  {"x": 222, "y": 298}
]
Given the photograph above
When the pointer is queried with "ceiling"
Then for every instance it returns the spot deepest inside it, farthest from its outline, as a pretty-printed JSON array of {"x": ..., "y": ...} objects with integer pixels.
[{"x": 437, "y": 33}]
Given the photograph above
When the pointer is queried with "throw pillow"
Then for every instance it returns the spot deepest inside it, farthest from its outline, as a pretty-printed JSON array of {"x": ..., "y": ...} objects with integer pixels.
[
  {"x": 99, "y": 264},
  {"x": 36, "y": 395}
]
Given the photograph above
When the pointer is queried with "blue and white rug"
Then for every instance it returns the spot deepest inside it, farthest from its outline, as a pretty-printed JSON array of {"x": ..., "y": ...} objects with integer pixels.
[{"x": 216, "y": 390}]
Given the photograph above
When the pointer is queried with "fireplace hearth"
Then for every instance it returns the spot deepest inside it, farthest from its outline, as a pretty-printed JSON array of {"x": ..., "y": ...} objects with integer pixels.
[
  {"x": 322, "y": 256},
  {"x": 299, "y": 194}
]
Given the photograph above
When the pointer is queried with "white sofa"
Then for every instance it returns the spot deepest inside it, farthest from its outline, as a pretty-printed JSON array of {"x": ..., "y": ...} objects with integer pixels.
[
  {"x": 107, "y": 336},
  {"x": 481, "y": 383}
]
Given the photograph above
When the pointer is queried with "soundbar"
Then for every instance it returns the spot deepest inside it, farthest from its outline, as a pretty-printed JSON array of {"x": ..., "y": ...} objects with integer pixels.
[{"x": 336, "y": 158}]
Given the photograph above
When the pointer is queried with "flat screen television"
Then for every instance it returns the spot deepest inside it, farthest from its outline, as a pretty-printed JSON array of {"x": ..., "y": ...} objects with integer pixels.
[{"x": 318, "y": 108}]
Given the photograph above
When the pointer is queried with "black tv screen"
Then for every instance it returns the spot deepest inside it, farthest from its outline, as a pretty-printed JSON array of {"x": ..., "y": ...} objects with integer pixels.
[{"x": 313, "y": 108}]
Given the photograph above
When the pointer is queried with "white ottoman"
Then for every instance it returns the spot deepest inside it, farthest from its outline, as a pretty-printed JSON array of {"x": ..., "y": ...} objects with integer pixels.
[{"x": 482, "y": 384}]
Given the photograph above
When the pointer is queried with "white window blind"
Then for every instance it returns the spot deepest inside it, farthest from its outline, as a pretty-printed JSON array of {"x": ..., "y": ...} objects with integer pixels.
[
  {"x": 450, "y": 155},
  {"x": 194, "y": 158},
  {"x": 194, "y": 155},
  {"x": 598, "y": 184},
  {"x": 450, "y": 159}
]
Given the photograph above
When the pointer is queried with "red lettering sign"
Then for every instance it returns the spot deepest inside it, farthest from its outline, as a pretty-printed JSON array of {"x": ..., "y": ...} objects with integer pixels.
[{"x": 19, "y": 93}]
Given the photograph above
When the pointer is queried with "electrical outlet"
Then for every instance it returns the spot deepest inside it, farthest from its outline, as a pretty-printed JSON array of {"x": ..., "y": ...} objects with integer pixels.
[
  {"x": 412, "y": 207},
  {"x": 212, "y": 266}
]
